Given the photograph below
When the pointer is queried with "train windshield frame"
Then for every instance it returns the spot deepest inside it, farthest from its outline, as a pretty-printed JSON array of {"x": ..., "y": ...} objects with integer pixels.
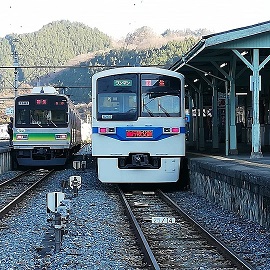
[
  {"x": 160, "y": 95},
  {"x": 41, "y": 111},
  {"x": 127, "y": 96},
  {"x": 117, "y": 97}
]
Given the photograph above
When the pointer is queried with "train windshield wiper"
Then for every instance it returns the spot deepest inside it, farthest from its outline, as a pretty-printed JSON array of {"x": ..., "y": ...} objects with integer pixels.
[
  {"x": 164, "y": 110},
  {"x": 34, "y": 121},
  {"x": 53, "y": 123},
  {"x": 148, "y": 110},
  {"x": 146, "y": 107}
]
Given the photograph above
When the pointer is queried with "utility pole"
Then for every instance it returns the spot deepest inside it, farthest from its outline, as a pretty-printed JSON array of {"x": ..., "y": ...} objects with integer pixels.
[{"x": 16, "y": 64}]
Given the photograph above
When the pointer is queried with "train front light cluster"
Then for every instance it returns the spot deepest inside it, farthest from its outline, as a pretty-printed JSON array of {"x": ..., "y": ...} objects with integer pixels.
[
  {"x": 107, "y": 130},
  {"x": 60, "y": 136},
  {"x": 171, "y": 130},
  {"x": 21, "y": 137}
]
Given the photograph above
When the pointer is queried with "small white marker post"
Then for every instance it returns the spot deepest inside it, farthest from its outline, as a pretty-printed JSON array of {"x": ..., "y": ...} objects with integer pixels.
[
  {"x": 76, "y": 165},
  {"x": 54, "y": 200},
  {"x": 83, "y": 165},
  {"x": 75, "y": 182}
]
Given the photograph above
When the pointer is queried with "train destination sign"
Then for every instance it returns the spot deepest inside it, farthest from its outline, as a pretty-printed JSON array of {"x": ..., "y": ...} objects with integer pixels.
[
  {"x": 139, "y": 133},
  {"x": 122, "y": 83}
]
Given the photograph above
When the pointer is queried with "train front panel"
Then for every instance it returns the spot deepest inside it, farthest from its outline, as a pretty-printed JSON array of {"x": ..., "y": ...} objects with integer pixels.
[
  {"x": 138, "y": 122},
  {"x": 42, "y": 130}
]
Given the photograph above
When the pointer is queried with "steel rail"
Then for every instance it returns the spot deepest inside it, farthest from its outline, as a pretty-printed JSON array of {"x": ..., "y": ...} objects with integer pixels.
[
  {"x": 14, "y": 178},
  {"x": 17, "y": 199},
  {"x": 225, "y": 250},
  {"x": 148, "y": 254}
]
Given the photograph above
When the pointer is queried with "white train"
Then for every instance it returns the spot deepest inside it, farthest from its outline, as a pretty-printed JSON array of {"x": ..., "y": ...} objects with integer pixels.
[
  {"x": 47, "y": 128},
  {"x": 138, "y": 125}
]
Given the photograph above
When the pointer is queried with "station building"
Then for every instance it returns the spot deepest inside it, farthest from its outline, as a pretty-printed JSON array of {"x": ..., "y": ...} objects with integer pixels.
[{"x": 227, "y": 78}]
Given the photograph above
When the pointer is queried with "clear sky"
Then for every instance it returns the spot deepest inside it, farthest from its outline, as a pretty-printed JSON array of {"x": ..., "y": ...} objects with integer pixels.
[{"x": 119, "y": 17}]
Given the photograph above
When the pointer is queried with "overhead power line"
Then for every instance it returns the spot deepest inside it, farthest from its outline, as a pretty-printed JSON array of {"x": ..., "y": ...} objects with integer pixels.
[{"x": 44, "y": 66}]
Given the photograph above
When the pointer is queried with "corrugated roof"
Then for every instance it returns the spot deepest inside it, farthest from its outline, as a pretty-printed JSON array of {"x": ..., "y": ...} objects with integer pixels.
[{"x": 217, "y": 39}]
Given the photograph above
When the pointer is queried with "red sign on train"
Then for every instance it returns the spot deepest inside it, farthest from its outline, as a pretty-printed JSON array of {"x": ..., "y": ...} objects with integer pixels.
[{"x": 139, "y": 133}]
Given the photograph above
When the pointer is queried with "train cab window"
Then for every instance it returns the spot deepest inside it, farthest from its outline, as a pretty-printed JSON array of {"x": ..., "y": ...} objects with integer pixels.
[
  {"x": 36, "y": 111},
  {"x": 58, "y": 117},
  {"x": 161, "y": 96},
  {"x": 116, "y": 103},
  {"x": 38, "y": 117},
  {"x": 21, "y": 117},
  {"x": 52, "y": 118},
  {"x": 117, "y": 97}
]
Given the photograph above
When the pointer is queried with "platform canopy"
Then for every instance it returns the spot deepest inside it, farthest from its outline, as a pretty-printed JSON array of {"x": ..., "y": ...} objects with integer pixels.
[{"x": 234, "y": 63}]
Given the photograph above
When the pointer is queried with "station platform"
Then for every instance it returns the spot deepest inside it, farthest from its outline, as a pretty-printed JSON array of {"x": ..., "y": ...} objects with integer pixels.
[{"x": 236, "y": 182}]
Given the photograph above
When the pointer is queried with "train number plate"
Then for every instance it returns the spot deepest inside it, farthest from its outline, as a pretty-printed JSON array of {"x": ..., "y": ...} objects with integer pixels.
[
  {"x": 163, "y": 220},
  {"x": 139, "y": 133}
]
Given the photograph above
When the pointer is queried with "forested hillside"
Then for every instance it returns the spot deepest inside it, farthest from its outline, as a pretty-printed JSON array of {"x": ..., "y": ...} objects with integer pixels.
[
  {"x": 66, "y": 55},
  {"x": 53, "y": 45}
]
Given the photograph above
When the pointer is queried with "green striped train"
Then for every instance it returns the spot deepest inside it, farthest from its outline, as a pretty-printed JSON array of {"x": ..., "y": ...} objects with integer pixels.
[{"x": 47, "y": 128}]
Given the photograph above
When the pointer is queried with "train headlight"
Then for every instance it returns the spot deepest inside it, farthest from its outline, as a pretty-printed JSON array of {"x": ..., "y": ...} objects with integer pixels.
[
  {"x": 20, "y": 137},
  {"x": 175, "y": 130},
  {"x": 171, "y": 130},
  {"x": 60, "y": 136},
  {"x": 102, "y": 130}
]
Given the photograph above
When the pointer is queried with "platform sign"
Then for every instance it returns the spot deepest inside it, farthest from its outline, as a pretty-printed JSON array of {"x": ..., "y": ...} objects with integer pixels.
[
  {"x": 163, "y": 220},
  {"x": 54, "y": 199},
  {"x": 75, "y": 181},
  {"x": 76, "y": 165},
  {"x": 9, "y": 111}
]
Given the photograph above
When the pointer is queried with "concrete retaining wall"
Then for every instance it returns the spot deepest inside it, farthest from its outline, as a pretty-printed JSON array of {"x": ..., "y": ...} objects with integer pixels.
[{"x": 243, "y": 190}]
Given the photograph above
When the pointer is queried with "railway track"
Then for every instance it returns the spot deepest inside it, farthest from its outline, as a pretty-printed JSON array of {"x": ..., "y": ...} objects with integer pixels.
[
  {"x": 13, "y": 190},
  {"x": 170, "y": 239}
]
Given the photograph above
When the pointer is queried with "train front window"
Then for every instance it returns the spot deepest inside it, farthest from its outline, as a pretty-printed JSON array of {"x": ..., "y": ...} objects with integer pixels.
[
  {"x": 21, "y": 117},
  {"x": 40, "y": 118},
  {"x": 48, "y": 117},
  {"x": 160, "y": 106},
  {"x": 161, "y": 96},
  {"x": 38, "y": 111},
  {"x": 117, "y": 97},
  {"x": 117, "y": 103}
]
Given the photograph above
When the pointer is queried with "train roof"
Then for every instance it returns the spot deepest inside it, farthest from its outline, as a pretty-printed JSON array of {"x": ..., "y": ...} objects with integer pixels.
[
  {"x": 122, "y": 70},
  {"x": 44, "y": 90}
]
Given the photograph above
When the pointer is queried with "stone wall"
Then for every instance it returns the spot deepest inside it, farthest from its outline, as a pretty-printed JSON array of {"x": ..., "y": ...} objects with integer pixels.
[{"x": 243, "y": 190}]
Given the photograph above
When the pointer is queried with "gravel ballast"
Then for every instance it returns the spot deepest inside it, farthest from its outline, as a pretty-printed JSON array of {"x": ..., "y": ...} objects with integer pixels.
[{"x": 99, "y": 236}]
